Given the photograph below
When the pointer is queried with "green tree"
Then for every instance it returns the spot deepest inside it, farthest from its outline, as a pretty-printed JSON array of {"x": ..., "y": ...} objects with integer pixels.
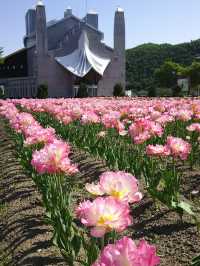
[
  {"x": 167, "y": 75},
  {"x": 193, "y": 72},
  {"x": 143, "y": 60}
]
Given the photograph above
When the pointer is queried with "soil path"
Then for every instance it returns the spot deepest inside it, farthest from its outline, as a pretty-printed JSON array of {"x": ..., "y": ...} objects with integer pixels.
[{"x": 25, "y": 239}]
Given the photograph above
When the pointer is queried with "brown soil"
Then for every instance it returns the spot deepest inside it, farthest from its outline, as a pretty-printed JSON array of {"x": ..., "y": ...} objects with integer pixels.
[{"x": 23, "y": 229}]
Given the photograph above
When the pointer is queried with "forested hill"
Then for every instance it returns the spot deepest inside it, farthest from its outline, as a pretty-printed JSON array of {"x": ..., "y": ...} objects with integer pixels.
[{"x": 144, "y": 59}]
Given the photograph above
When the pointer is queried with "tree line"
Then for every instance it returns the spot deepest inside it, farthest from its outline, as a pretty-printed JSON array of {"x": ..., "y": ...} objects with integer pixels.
[
  {"x": 142, "y": 62},
  {"x": 168, "y": 74}
]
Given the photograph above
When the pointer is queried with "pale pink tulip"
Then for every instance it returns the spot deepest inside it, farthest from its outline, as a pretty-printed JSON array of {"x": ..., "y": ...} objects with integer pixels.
[
  {"x": 121, "y": 185},
  {"x": 194, "y": 127},
  {"x": 53, "y": 158},
  {"x": 105, "y": 215},
  {"x": 158, "y": 150},
  {"x": 125, "y": 253},
  {"x": 144, "y": 129},
  {"x": 179, "y": 147}
]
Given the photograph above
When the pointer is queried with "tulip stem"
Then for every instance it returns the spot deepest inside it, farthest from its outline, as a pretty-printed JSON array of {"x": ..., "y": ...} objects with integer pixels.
[{"x": 102, "y": 243}]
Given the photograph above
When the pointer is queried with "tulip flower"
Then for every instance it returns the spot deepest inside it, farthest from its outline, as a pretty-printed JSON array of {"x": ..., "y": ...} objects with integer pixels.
[
  {"x": 125, "y": 253},
  {"x": 194, "y": 127},
  {"x": 144, "y": 129},
  {"x": 179, "y": 147},
  {"x": 120, "y": 185},
  {"x": 104, "y": 215},
  {"x": 53, "y": 158},
  {"x": 158, "y": 150}
]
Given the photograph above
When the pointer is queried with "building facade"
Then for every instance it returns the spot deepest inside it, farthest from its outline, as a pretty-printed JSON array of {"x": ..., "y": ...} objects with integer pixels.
[{"x": 63, "y": 54}]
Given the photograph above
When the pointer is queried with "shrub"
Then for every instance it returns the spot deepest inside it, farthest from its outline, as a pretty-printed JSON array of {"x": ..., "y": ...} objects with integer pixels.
[
  {"x": 82, "y": 91},
  {"x": 42, "y": 92},
  {"x": 151, "y": 91},
  {"x": 118, "y": 90},
  {"x": 176, "y": 91}
]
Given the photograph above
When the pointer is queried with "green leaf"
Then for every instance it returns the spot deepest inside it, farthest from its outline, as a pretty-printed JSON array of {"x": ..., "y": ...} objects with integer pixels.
[
  {"x": 55, "y": 239},
  {"x": 186, "y": 207},
  {"x": 76, "y": 244},
  {"x": 196, "y": 261}
]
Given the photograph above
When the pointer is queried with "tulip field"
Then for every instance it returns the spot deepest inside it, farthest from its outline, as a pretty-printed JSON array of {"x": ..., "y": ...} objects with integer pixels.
[{"x": 143, "y": 210}]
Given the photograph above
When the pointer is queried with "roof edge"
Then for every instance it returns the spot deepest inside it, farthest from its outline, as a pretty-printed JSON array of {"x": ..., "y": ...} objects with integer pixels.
[{"x": 15, "y": 52}]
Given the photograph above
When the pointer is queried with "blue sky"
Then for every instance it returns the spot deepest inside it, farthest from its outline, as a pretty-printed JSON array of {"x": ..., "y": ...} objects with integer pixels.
[{"x": 158, "y": 21}]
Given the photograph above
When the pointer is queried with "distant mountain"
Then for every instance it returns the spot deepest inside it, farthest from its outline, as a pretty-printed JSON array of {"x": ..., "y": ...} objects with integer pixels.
[{"x": 142, "y": 60}]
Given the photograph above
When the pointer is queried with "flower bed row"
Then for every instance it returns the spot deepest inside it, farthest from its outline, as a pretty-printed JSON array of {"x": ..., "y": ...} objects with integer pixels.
[
  {"x": 96, "y": 242},
  {"x": 133, "y": 139}
]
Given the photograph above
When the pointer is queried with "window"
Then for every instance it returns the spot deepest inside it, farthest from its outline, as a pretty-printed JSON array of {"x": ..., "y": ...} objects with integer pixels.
[{"x": 67, "y": 38}]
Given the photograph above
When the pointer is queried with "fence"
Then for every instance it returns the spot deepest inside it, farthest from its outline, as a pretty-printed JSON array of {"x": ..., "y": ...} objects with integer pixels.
[{"x": 19, "y": 87}]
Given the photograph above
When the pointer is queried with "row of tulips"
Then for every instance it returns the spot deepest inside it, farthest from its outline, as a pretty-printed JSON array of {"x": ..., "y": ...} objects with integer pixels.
[
  {"x": 47, "y": 159},
  {"x": 135, "y": 136}
]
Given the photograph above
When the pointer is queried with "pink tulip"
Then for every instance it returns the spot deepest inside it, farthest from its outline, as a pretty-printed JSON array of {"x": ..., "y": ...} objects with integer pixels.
[
  {"x": 184, "y": 115},
  {"x": 125, "y": 253},
  {"x": 179, "y": 147},
  {"x": 39, "y": 135},
  {"x": 90, "y": 118},
  {"x": 94, "y": 189},
  {"x": 104, "y": 215},
  {"x": 158, "y": 150},
  {"x": 53, "y": 158},
  {"x": 82, "y": 208},
  {"x": 144, "y": 129},
  {"x": 194, "y": 127},
  {"x": 110, "y": 119},
  {"x": 120, "y": 185}
]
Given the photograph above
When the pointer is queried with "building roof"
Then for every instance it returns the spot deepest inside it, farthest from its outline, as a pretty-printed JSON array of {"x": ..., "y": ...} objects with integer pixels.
[
  {"x": 76, "y": 18},
  {"x": 15, "y": 52},
  {"x": 82, "y": 60}
]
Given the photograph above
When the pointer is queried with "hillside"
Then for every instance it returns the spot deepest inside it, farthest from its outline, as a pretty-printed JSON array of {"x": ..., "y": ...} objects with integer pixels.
[{"x": 144, "y": 59}]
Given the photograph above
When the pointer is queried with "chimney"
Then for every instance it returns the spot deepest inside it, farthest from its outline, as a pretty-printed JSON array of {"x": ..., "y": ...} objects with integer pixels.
[
  {"x": 41, "y": 29},
  {"x": 92, "y": 19},
  {"x": 119, "y": 45},
  {"x": 119, "y": 31},
  {"x": 68, "y": 12},
  {"x": 30, "y": 21}
]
